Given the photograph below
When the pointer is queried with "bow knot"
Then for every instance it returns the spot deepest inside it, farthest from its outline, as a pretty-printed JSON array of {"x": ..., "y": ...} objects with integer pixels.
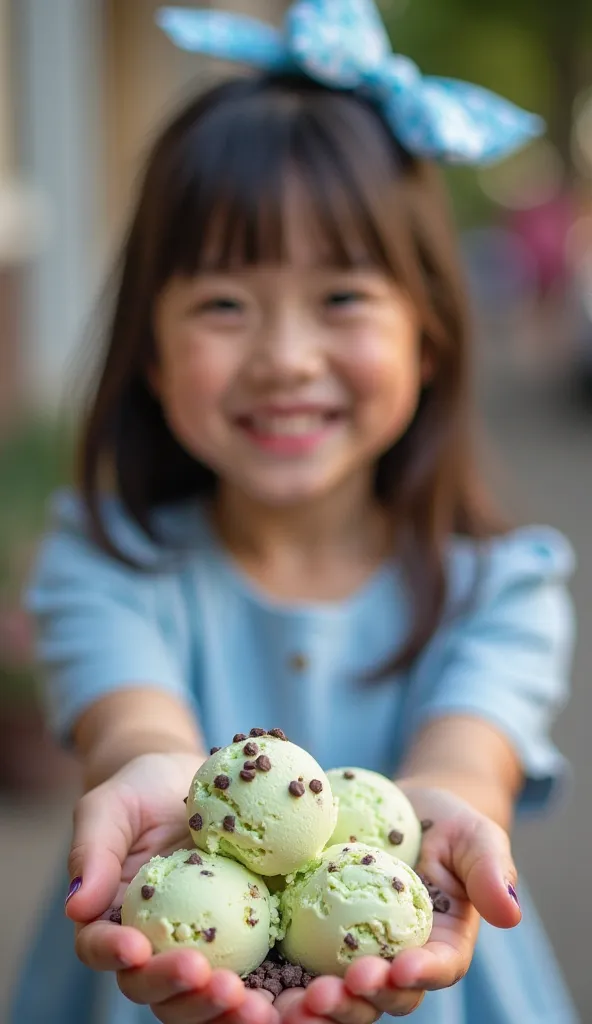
[{"x": 344, "y": 44}]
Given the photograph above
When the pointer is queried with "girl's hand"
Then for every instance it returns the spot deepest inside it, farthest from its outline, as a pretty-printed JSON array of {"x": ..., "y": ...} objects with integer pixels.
[
  {"x": 118, "y": 826},
  {"x": 466, "y": 855}
]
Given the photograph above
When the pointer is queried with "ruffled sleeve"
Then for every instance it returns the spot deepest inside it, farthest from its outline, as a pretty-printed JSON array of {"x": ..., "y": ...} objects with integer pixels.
[
  {"x": 508, "y": 658},
  {"x": 97, "y": 620}
]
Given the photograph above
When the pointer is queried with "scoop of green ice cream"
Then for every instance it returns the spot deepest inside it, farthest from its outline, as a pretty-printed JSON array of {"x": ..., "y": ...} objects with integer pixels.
[
  {"x": 353, "y": 901},
  {"x": 203, "y": 902},
  {"x": 374, "y": 811},
  {"x": 265, "y": 802}
]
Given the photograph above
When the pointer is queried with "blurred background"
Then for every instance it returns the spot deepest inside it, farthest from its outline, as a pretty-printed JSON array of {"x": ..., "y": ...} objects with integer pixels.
[{"x": 83, "y": 86}]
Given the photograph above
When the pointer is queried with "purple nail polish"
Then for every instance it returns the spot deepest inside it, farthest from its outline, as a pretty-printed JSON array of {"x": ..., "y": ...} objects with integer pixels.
[
  {"x": 513, "y": 894},
  {"x": 75, "y": 886}
]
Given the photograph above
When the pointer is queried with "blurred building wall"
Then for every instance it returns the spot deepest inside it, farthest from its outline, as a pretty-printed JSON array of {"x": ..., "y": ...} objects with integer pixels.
[{"x": 97, "y": 77}]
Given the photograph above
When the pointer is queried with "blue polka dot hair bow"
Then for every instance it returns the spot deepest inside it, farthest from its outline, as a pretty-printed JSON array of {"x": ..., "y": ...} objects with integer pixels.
[{"x": 343, "y": 44}]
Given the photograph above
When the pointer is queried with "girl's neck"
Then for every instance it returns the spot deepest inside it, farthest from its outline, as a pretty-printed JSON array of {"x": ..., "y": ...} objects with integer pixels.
[{"x": 321, "y": 550}]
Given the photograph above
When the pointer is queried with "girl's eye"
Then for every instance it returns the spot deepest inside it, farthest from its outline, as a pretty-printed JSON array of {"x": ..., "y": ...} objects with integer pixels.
[
  {"x": 344, "y": 299},
  {"x": 221, "y": 305}
]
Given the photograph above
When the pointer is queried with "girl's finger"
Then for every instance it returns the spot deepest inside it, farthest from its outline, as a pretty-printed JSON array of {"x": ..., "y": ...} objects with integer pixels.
[
  {"x": 367, "y": 976},
  {"x": 255, "y": 1010},
  {"x": 102, "y": 837},
  {"x": 483, "y": 862},
  {"x": 165, "y": 976},
  {"x": 432, "y": 967},
  {"x": 224, "y": 993},
  {"x": 103, "y": 946},
  {"x": 328, "y": 997}
]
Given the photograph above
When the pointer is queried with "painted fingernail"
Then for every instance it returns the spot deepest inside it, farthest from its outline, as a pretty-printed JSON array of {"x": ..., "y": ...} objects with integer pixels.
[
  {"x": 513, "y": 894},
  {"x": 75, "y": 886}
]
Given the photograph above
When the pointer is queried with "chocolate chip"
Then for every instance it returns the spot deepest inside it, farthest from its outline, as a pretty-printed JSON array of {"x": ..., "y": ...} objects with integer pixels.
[
  {"x": 185, "y": 799},
  {"x": 196, "y": 822},
  {"x": 147, "y": 892},
  {"x": 263, "y": 763},
  {"x": 115, "y": 915},
  {"x": 252, "y": 921},
  {"x": 209, "y": 934},
  {"x": 345, "y": 849},
  {"x": 254, "y": 892},
  {"x": 368, "y": 859},
  {"x": 238, "y": 737},
  {"x": 351, "y": 942},
  {"x": 229, "y": 823},
  {"x": 247, "y": 776},
  {"x": 221, "y": 782},
  {"x": 441, "y": 903},
  {"x": 250, "y": 749},
  {"x": 332, "y": 867},
  {"x": 426, "y": 824},
  {"x": 398, "y": 885},
  {"x": 349, "y": 775},
  {"x": 353, "y": 839},
  {"x": 215, "y": 750},
  {"x": 278, "y": 733},
  {"x": 249, "y": 766},
  {"x": 395, "y": 838},
  {"x": 209, "y": 874},
  {"x": 316, "y": 785},
  {"x": 273, "y": 985},
  {"x": 257, "y": 732},
  {"x": 194, "y": 858},
  {"x": 296, "y": 789}
]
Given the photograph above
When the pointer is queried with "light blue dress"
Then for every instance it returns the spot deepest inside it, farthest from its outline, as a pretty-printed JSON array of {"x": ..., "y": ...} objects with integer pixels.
[{"x": 197, "y": 627}]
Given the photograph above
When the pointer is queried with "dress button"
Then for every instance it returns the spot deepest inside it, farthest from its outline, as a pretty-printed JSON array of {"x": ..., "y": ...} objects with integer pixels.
[{"x": 299, "y": 662}]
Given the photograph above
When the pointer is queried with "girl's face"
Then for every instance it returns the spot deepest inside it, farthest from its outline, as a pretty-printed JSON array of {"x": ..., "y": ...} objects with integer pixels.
[{"x": 288, "y": 381}]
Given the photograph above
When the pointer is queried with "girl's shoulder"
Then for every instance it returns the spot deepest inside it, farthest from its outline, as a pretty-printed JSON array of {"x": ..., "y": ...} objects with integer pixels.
[{"x": 524, "y": 557}]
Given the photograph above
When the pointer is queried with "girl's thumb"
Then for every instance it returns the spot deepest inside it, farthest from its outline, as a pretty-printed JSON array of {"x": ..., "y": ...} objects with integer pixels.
[
  {"x": 100, "y": 844},
  {"x": 487, "y": 870}
]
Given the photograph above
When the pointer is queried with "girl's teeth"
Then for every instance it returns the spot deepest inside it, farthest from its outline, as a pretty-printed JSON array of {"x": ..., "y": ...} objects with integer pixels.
[{"x": 288, "y": 426}]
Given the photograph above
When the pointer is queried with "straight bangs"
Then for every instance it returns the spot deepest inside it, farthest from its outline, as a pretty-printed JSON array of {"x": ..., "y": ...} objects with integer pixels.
[{"x": 283, "y": 150}]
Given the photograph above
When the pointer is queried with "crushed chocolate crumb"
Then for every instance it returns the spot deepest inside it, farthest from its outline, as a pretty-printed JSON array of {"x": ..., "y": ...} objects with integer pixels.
[
  {"x": 351, "y": 942},
  {"x": 185, "y": 799},
  {"x": 250, "y": 749},
  {"x": 209, "y": 874},
  {"x": 296, "y": 789},
  {"x": 278, "y": 733},
  {"x": 306, "y": 980},
  {"x": 221, "y": 782},
  {"x": 273, "y": 985},
  {"x": 246, "y": 775},
  {"x": 291, "y": 975},
  {"x": 349, "y": 775},
  {"x": 441, "y": 903},
  {"x": 353, "y": 839},
  {"x": 215, "y": 750},
  {"x": 115, "y": 915},
  {"x": 368, "y": 859},
  {"x": 395, "y": 837},
  {"x": 209, "y": 934},
  {"x": 398, "y": 885},
  {"x": 229, "y": 823},
  {"x": 257, "y": 732},
  {"x": 332, "y": 867},
  {"x": 147, "y": 892},
  {"x": 196, "y": 822},
  {"x": 426, "y": 824},
  {"x": 316, "y": 785},
  {"x": 252, "y": 921},
  {"x": 238, "y": 737},
  {"x": 263, "y": 763},
  {"x": 254, "y": 981},
  {"x": 254, "y": 891},
  {"x": 194, "y": 858}
]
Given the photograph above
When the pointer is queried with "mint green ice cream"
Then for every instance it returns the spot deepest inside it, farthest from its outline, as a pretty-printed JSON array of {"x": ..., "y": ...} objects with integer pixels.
[
  {"x": 355, "y": 900},
  {"x": 265, "y": 802},
  {"x": 375, "y": 811},
  {"x": 204, "y": 902}
]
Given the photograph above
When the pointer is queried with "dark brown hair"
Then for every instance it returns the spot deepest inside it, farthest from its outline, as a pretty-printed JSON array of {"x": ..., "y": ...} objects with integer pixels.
[{"x": 216, "y": 182}]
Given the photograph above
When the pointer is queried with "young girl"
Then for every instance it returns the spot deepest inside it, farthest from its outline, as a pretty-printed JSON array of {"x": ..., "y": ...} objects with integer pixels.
[{"x": 279, "y": 521}]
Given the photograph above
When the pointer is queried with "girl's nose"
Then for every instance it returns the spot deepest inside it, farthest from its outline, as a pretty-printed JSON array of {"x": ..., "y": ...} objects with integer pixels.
[{"x": 286, "y": 353}]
